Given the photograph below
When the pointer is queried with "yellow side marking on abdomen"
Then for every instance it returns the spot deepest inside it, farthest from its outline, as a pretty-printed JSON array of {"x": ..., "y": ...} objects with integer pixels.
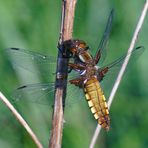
[{"x": 97, "y": 102}]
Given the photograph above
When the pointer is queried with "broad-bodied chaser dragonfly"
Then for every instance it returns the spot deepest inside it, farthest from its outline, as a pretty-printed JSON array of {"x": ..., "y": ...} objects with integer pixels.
[{"x": 88, "y": 75}]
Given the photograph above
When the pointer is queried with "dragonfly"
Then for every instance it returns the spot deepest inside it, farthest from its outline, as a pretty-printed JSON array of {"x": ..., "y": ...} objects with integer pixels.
[{"x": 85, "y": 76}]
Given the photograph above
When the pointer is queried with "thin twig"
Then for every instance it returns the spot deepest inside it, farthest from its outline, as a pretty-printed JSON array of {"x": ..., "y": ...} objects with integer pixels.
[
  {"x": 122, "y": 70},
  {"x": 21, "y": 120},
  {"x": 68, "y": 9}
]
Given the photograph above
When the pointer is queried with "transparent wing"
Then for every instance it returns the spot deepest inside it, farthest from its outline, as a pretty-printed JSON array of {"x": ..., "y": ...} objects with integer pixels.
[
  {"x": 74, "y": 95},
  {"x": 136, "y": 52},
  {"x": 114, "y": 67},
  {"x": 44, "y": 94},
  {"x": 102, "y": 46},
  {"x": 45, "y": 65},
  {"x": 37, "y": 93}
]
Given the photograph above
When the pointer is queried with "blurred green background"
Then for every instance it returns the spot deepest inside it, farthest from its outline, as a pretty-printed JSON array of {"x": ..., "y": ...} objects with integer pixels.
[{"x": 35, "y": 25}]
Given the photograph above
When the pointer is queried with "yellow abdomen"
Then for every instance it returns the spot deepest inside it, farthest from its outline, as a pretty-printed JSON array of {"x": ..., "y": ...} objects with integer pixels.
[{"x": 97, "y": 102}]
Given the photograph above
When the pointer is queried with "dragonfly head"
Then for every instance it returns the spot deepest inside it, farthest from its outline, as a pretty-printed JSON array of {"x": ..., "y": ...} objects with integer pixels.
[{"x": 76, "y": 48}]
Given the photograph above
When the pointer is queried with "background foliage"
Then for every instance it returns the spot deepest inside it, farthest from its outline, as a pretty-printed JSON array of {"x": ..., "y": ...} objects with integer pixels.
[{"x": 35, "y": 25}]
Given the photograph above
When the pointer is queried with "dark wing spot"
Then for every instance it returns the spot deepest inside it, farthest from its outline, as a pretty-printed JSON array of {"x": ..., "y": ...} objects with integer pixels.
[
  {"x": 15, "y": 48},
  {"x": 24, "y": 86}
]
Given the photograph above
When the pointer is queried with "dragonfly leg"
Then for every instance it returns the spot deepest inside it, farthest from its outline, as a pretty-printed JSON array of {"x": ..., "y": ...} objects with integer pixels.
[
  {"x": 73, "y": 66},
  {"x": 97, "y": 57},
  {"x": 102, "y": 73},
  {"x": 77, "y": 81}
]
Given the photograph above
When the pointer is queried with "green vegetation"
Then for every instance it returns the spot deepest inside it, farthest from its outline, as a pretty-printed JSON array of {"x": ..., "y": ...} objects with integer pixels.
[{"x": 35, "y": 25}]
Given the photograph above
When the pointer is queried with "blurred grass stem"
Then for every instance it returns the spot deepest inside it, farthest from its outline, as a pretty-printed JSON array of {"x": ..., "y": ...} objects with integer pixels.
[
  {"x": 122, "y": 70},
  {"x": 21, "y": 120}
]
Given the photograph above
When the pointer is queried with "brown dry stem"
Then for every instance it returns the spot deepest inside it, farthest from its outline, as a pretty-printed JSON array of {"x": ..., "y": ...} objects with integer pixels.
[{"x": 68, "y": 9}]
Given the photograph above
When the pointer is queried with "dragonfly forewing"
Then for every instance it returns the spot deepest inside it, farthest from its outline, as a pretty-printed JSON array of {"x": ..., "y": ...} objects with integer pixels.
[
  {"x": 44, "y": 65},
  {"x": 101, "y": 53}
]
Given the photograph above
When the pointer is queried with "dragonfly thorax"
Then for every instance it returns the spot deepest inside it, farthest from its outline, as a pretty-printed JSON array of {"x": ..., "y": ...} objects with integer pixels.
[{"x": 90, "y": 71}]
